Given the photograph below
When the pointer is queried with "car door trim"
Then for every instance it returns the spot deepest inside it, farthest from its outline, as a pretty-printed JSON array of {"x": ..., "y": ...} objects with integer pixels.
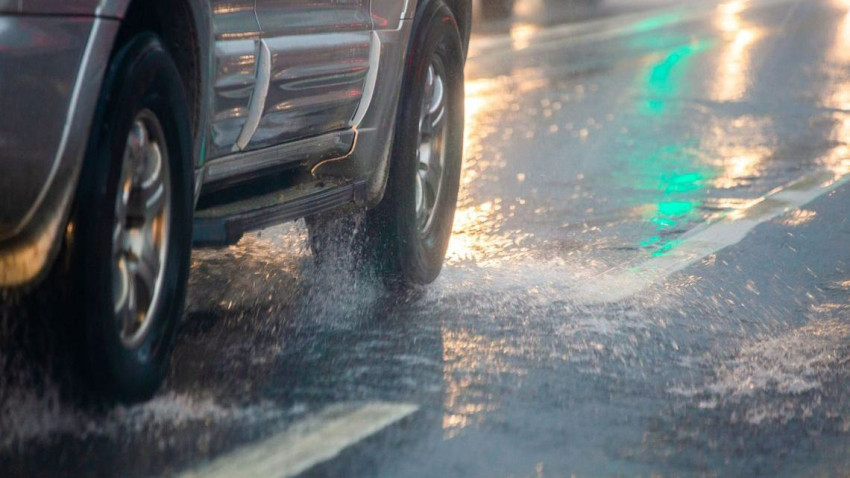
[
  {"x": 371, "y": 79},
  {"x": 258, "y": 98}
]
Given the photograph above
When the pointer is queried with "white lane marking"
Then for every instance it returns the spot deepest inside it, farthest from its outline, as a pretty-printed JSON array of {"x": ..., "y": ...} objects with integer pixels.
[
  {"x": 704, "y": 240},
  {"x": 556, "y": 37},
  {"x": 307, "y": 443}
]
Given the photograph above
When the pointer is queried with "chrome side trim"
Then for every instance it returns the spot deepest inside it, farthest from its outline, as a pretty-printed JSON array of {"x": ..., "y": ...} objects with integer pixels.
[
  {"x": 306, "y": 151},
  {"x": 371, "y": 79},
  {"x": 404, "y": 15},
  {"x": 86, "y": 65},
  {"x": 258, "y": 99}
]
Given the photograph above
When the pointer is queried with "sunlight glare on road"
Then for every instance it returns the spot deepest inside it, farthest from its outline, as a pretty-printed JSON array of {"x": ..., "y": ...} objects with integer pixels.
[
  {"x": 838, "y": 160},
  {"x": 734, "y": 65},
  {"x": 482, "y": 96},
  {"x": 470, "y": 361},
  {"x": 475, "y": 234},
  {"x": 522, "y": 34}
]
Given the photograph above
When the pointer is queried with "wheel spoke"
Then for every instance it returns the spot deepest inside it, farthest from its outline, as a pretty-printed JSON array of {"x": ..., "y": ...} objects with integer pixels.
[
  {"x": 430, "y": 150},
  {"x": 436, "y": 119},
  {"x": 425, "y": 155},
  {"x": 430, "y": 195},
  {"x": 427, "y": 100},
  {"x": 429, "y": 86},
  {"x": 426, "y": 129},
  {"x": 436, "y": 96},
  {"x": 420, "y": 195},
  {"x": 434, "y": 174},
  {"x": 126, "y": 306},
  {"x": 120, "y": 282},
  {"x": 137, "y": 141},
  {"x": 147, "y": 267},
  {"x": 151, "y": 187},
  {"x": 140, "y": 236}
]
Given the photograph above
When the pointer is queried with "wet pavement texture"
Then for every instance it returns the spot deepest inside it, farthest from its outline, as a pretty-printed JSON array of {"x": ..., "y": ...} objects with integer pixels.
[{"x": 598, "y": 138}]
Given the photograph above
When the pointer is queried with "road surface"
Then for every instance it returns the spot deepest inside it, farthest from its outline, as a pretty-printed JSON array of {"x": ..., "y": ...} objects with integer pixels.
[{"x": 649, "y": 276}]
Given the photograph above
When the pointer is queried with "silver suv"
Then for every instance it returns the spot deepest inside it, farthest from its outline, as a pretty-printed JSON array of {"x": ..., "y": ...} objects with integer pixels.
[{"x": 131, "y": 129}]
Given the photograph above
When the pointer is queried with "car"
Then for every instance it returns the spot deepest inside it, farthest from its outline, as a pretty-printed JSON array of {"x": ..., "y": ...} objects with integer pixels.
[{"x": 133, "y": 130}]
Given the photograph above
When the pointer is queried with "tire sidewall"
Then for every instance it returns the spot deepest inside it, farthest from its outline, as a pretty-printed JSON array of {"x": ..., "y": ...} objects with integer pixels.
[
  {"x": 420, "y": 258},
  {"x": 141, "y": 76}
]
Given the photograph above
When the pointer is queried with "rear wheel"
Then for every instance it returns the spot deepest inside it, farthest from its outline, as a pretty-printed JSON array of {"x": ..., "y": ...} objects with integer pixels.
[
  {"x": 130, "y": 238},
  {"x": 405, "y": 237}
]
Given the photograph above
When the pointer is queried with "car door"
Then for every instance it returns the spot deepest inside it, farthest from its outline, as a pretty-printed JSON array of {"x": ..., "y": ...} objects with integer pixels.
[
  {"x": 319, "y": 60},
  {"x": 236, "y": 45}
]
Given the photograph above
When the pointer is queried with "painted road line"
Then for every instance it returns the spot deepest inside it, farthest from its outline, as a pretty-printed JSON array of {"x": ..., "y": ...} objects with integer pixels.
[
  {"x": 557, "y": 37},
  {"x": 702, "y": 241},
  {"x": 307, "y": 443}
]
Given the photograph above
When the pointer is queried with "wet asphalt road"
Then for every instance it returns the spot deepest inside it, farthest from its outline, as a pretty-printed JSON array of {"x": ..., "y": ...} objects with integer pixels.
[{"x": 581, "y": 326}]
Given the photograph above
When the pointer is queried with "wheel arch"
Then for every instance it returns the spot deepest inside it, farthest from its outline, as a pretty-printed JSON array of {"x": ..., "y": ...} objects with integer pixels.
[{"x": 185, "y": 28}]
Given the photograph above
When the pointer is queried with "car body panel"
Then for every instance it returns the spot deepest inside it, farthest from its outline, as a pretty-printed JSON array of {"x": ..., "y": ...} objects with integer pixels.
[
  {"x": 234, "y": 82},
  {"x": 10, "y": 6},
  {"x": 51, "y": 168},
  {"x": 318, "y": 91},
  {"x": 45, "y": 55},
  {"x": 319, "y": 54},
  {"x": 387, "y": 14},
  {"x": 65, "y": 7},
  {"x": 236, "y": 36},
  {"x": 300, "y": 17},
  {"x": 101, "y": 8},
  {"x": 316, "y": 84}
]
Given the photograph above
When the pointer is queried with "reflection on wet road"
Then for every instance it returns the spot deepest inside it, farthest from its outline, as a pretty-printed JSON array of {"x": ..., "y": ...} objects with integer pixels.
[
  {"x": 680, "y": 164},
  {"x": 698, "y": 127}
]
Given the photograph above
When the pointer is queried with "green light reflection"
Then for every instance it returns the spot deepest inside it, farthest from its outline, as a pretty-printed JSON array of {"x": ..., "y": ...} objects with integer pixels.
[
  {"x": 670, "y": 178},
  {"x": 665, "y": 77}
]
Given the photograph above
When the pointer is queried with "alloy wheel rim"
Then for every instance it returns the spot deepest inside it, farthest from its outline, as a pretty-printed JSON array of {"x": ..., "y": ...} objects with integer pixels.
[
  {"x": 140, "y": 236},
  {"x": 430, "y": 155}
]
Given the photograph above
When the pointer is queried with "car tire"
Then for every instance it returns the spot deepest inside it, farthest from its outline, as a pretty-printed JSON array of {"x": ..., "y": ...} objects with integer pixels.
[
  {"x": 496, "y": 9},
  {"x": 129, "y": 237}
]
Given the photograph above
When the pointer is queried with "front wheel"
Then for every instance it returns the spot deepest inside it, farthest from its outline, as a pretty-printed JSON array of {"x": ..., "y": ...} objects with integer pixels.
[{"x": 131, "y": 236}]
